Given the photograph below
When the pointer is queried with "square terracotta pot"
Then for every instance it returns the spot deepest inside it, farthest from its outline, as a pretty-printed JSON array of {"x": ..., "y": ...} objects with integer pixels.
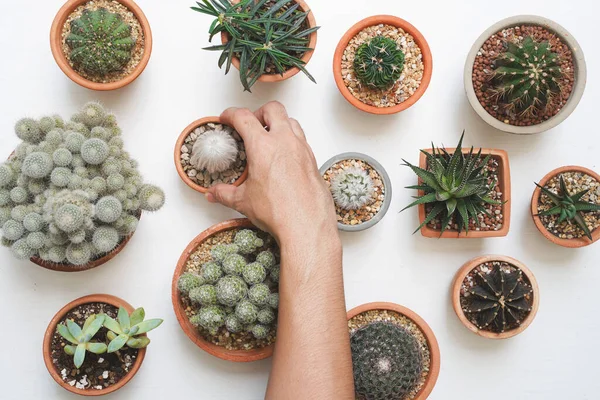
[{"x": 504, "y": 180}]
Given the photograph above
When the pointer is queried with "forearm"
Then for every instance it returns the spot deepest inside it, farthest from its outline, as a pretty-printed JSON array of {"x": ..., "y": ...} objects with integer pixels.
[{"x": 312, "y": 353}]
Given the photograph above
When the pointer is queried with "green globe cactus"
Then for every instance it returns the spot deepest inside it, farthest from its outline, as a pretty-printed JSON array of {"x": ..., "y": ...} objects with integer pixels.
[
  {"x": 254, "y": 273},
  {"x": 37, "y": 165},
  {"x": 259, "y": 294},
  {"x": 189, "y": 281},
  {"x": 246, "y": 312},
  {"x": 108, "y": 209},
  {"x": 94, "y": 151},
  {"x": 220, "y": 251},
  {"x": 266, "y": 258},
  {"x": 233, "y": 324},
  {"x": 234, "y": 264},
  {"x": 230, "y": 290},
  {"x": 105, "y": 238},
  {"x": 260, "y": 331},
  {"x": 28, "y": 130},
  {"x": 100, "y": 43},
  {"x": 266, "y": 316},
  {"x": 274, "y": 300},
  {"x": 247, "y": 241},
  {"x": 205, "y": 295},
  {"x": 210, "y": 318},
  {"x": 211, "y": 272},
  {"x": 378, "y": 63},
  {"x": 62, "y": 157}
]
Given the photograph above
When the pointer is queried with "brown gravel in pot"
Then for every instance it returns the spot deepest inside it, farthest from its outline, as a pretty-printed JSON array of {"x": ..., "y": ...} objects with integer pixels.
[
  {"x": 409, "y": 81},
  {"x": 576, "y": 182},
  {"x": 98, "y": 371},
  {"x": 136, "y": 32},
  {"x": 224, "y": 338},
  {"x": 493, "y": 223},
  {"x": 368, "y": 317},
  {"x": 483, "y": 69},
  {"x": 355, "y": 217}
]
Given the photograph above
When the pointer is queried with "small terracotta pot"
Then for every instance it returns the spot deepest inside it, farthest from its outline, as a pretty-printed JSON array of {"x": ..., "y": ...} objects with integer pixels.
[
  {"x": 95, "y": 298},
  {"x": 504, "y": 180},
  {"x": 56, "y": 42},
  {"x": 419, "y": 40},
  {"x": 190, "y": 330},
  {"x": 177, "y": 155},
  {"x": 460, "y": 277},
  {"x": 434, "y": 349},
  {"x": 312, "y": 43},
  {"x": 570, "y": 243}
]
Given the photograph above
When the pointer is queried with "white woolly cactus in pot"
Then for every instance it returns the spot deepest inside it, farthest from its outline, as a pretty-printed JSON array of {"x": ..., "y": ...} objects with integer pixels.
[
  {"x": 352, "y": 188},
  {"x": 70, "y": 194}
]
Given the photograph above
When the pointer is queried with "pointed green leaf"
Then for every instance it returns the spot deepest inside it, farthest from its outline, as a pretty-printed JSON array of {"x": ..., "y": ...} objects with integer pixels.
[
  {"x": 428, "y": 198},
  {"x": 451, "y": 206},
  {"x": 137, "y": 316},
  {"x": 148, "y": 325},
  {"x": 94, "y": 326},
  {"x": 117, "y": 343},
  {"x": 112, "y": 325},
  {"x": 123, "y": 318},
  {"x": 64, "y": 332},
  {"x": 435, "y": 211},
  {"x": 74, "y": 329},
  {"x": 583, "y": 225}
]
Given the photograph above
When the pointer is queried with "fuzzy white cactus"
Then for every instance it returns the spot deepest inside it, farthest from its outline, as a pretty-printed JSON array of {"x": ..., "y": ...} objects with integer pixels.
[
  {"x": 214, "y": 151},
  {"x": 352, "y": 188}
]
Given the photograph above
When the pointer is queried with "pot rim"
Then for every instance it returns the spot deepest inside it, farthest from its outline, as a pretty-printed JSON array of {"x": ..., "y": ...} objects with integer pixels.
[
  {"x": 468, "y": 267},
  {"x": 419, "y": 40},
  {"x": 434, "y": 349},
  {"x": 177, "y": 154},
  {"x": 568, "y": 243},
  {"x": 505, "y": 185},
  {"x": 56, "y": 46},
  {"x": 312, "y": 22},
  {"x": 94, "y": 298},
  {"x": 186, "y": 326},
  {"x": 578, "y": 60},
  {"x": 387, "y": 184}
]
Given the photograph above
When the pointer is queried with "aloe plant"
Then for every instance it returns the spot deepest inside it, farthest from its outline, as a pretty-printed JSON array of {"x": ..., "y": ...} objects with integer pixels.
[
  {"x": 261, "y": 35},
  {"x": 129, "y": 329},
  {"x": 81, "y": 337}
]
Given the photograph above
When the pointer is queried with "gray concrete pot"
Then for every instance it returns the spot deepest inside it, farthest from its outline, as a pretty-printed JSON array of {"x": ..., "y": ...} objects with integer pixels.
[
  {"x": 578, "y": 60},
  {"x": 387, "y": 183}
]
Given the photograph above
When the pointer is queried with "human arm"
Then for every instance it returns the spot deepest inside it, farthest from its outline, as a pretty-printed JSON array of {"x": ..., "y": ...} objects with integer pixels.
[{"x": 285, "y": 195}]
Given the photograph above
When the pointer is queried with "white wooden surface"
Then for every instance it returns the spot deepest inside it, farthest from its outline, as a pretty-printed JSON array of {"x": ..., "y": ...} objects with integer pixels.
[{"x": 556, "y": 358}]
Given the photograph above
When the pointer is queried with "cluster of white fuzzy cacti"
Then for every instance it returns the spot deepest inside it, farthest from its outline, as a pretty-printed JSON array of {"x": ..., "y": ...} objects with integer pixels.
[
  {"x": 70, "y": 192},
  {"x": 352, "y": 188}
]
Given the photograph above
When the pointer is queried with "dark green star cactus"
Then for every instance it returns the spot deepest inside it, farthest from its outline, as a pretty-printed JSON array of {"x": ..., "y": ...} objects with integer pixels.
[
  {"x": 526, "y": 77},
  {"x": 379, "y": 63},
  {"x": 387, "y": 361},
  {"x": 100, "y": 42}
]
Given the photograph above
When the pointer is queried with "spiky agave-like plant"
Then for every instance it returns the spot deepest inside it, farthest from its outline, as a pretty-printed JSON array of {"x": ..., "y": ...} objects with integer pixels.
[
  {"x": 455, "y": 185},
  {"x": 352, "y": 188},
  {"x": 379, "y": 62},
  {"x": 262, "y": 36},
  {"x": 100, "y": 42},
  {"x": 526, "y": 76},
  {"x": 569, "y": 207},
  {"x": 498, "y": 299},
  {"x": 387, "y": 361}
]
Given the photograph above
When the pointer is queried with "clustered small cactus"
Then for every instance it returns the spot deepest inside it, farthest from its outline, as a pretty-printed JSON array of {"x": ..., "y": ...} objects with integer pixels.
[
  {"x": 127, "y": 330},
  {"x": 100, "y": 42},
  {"x": 70, "y": 192},
  {"x": 526, "y": 77},
  {"x": 352, "y": 188},
  {"x": 387, "y": 361},
  {"x": 379, "y": 62},
  {"x": 214, "y": 151},
  {"x": 234, "y": 292}
]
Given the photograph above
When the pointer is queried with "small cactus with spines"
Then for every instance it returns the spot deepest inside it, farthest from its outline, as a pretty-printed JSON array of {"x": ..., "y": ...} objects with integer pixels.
[
  {"x": 233, "y": 291},
  {"x": 379, "y": 63},
  {"x": 526, "y": 77},
  {"x": 56, "y": 183},
  {"x": 100, "y": 43},
  {"x": 352, "y": 188}
]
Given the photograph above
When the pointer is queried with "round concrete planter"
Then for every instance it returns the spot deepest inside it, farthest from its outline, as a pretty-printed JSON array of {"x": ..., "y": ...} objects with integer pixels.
[
  {"x": 578, "y": 60},
  {"x": 387, "y": 184}
]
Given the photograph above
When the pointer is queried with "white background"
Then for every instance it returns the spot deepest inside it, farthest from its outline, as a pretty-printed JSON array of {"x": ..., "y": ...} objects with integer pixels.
[{"x": 555, "y": 358}]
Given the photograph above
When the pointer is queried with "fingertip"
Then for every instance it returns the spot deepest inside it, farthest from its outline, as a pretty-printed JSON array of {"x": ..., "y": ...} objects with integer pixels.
[{"x": 210, "y": 197}]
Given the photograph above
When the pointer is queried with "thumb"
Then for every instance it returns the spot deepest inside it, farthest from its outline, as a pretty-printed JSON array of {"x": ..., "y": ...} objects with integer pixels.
[{"x": 227, "y": 195}]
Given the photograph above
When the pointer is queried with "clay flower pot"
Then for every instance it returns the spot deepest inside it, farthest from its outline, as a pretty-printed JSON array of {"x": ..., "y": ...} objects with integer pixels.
[
  {"x": 570, "y": 243},
  {"x": 190, "y": 330},
  {"x": 387, "y": 184},
  {"x": 419, "y": 40},
  {"x": 460, "y": 277},
  {"x": 177, "y": 154},
  {"x": 578, "y": 61},
  {"x": 306, "y": 57},
  {"x": 504, "y": 181},
  {"x": 56, "y": 44},
  {"x": 95, "y": 298},
  {"x": 434, "y": 349}
]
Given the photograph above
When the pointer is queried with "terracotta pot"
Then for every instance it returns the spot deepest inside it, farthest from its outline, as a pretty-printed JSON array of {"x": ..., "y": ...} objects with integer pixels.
[
  {"x": 570, "y": 243},
  {"x": 503, "y": 178},
  {"x": 578, "y": 61},
  {"x": 56, "y": 43},
  {"x": 190, "y": 330},
  {"x": 460, "y": 277},
  {"x": 177, "y": 155},
  {"x": 312, "y": 43},
  {"x": 434, "y": 349},
  {"x": 419, "y": 40},
  {"x": 95, "y": 298}
]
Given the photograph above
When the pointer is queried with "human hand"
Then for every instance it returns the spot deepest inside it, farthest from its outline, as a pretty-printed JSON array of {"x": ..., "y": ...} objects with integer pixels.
[{"x": 284, "y": 193}]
